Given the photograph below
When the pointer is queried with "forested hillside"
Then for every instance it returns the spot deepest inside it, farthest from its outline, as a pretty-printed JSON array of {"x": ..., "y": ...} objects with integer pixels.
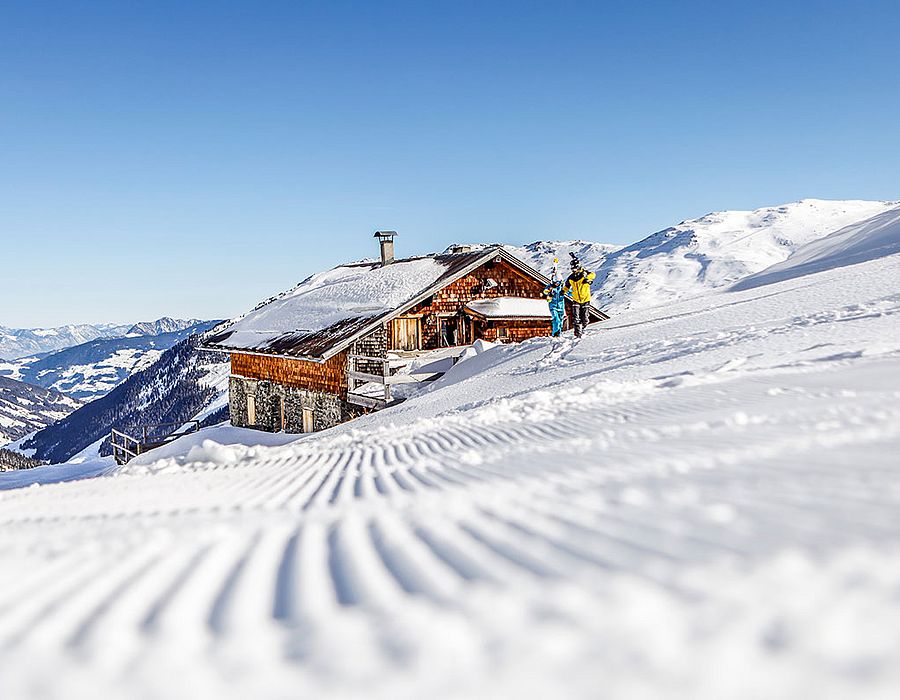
[{"x": 181, "y": 383}]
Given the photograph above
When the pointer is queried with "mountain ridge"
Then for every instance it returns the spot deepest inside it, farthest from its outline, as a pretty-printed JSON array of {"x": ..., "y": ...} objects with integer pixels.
[
  {"x": 91, "y": 370},
  {"x": 708, "y": 252},
  {"x": 25, "y": 342}
]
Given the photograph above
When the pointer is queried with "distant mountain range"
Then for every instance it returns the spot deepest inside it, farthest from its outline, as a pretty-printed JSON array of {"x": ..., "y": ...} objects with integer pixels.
[
  {"x": 183, "y": 383},
  {"x": 25, "y": 408},
  {"x": 23, "y": 342},
  {"x": 91, "y": 370}
]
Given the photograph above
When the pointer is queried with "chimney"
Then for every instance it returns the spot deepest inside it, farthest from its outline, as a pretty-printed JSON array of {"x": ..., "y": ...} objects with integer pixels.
[{"x": 386, "y": 238}]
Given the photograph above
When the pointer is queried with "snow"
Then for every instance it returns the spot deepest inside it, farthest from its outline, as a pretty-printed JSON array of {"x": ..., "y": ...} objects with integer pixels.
[
  {"x": 345, "y": 292},
  {"x": 510, "y": 307},
  {"x": 873, "y": 238},
  {"x": 697, "y": 255},
  {"x": 695, "y": 500},
  {"x": 86, "y": 464}
]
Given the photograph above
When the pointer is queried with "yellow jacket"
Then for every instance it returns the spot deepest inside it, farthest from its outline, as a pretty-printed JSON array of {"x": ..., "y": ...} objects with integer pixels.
[{"x": 578, "y": 286}]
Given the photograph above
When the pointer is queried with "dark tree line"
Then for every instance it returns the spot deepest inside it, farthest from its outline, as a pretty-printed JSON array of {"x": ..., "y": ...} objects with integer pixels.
[{"x": 14, "y": 460}]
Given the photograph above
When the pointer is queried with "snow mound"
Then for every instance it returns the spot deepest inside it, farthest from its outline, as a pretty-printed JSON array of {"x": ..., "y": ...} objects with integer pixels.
[{"x": 867, "y": 240}]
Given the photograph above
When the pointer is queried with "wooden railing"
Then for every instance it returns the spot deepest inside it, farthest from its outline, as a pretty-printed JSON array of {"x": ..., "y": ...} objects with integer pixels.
[
  {"x": 354, "y": 376},
  {"x": 388, "y": 376},
  {"x": 126, "y": 447}
]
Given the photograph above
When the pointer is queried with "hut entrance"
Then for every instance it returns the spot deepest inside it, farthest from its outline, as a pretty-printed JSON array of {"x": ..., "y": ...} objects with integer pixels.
[{"x": 454, "y": 331}]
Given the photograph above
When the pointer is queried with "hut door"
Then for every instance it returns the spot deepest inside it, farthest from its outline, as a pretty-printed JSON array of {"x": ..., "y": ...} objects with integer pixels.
[
  {"x": 406, "y": 333},
  {"x": 308, "y": 420}
]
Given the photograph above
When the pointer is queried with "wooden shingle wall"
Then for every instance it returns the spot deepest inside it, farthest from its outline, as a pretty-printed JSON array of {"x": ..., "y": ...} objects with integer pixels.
[
  {"x": 447, "y": 301},
  {"x": 516, "y": 331},
  {"x": 329, "y": 376}
]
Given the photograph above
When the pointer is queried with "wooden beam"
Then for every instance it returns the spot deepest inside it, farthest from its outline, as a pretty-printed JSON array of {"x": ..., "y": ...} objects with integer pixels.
[
  {"x": 366, "y": 358},
  {"x": 365, "y": 377},
  {"x": 364, "y": 401}
]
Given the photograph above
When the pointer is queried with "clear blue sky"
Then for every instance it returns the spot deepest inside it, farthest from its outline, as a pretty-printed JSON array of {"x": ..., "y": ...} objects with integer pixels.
[{"x": 192, "y": 158}]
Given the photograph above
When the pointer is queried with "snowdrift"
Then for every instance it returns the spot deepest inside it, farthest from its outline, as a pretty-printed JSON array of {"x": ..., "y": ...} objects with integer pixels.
[{"x": 867, "y": 240}]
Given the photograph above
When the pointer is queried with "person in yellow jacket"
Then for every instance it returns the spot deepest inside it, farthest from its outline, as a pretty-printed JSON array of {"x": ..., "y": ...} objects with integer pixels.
[{"x": 578, "y": 289}]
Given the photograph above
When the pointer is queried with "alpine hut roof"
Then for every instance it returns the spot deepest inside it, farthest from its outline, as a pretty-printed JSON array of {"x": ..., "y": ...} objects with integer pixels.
[{"x": 328, "y": 311}]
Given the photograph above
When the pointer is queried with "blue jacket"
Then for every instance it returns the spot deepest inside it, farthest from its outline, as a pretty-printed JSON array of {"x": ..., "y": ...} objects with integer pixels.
[{"x": 555, "y": 296}]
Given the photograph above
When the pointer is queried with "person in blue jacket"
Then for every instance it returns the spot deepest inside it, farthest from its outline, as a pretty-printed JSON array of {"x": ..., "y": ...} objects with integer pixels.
[{"x": 555, "y": 297}]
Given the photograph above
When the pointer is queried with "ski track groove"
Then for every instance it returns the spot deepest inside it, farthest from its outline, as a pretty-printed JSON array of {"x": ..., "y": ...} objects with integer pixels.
[{"x": 466, "y": 508}]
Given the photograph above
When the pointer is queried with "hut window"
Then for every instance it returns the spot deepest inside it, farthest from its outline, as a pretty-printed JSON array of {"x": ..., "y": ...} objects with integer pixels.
[
  {"x": 309, "y": 420},
  {"x": 251, "y": 410},
  {"x": 502, "y": 332}
]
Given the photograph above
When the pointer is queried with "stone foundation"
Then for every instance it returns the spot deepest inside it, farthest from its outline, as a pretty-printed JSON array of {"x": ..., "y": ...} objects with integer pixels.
[{"x": 280, "y": 407}]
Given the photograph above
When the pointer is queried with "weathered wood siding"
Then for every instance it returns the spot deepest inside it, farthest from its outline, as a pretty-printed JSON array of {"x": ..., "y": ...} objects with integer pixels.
[
  {"x": 329, "y": 376},
  {"x": 447, "y": 302},
  {"x": 516, "y": 331}
]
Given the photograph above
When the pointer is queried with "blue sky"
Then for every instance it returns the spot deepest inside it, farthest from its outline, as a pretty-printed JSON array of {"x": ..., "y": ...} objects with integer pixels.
[{"x": 189, "y": 159}]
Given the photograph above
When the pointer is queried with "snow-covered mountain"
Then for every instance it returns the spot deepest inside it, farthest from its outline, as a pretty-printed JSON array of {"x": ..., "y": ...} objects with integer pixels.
[
  {"x": 865, "y": 240},
  {"x": 25, "y": 408},
  {"x": 162, "y": 325},
  {"x": 696, "y": 500},
  {"x": 22, "y": 342},
  {"x": 19, "y": 342},
  {"x": 713, "y": 251},
  {"x": 182, "y": 383},
  {"x": 91, "y": 370}
]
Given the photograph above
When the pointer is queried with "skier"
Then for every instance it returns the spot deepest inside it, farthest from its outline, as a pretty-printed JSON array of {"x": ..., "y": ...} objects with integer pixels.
[
  {"x": 553, "y": 293},
  {"x": 578, "y": 289}
]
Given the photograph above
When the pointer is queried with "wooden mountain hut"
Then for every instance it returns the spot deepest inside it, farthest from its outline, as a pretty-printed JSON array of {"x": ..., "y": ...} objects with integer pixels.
[{"x": 324, "y": 352}]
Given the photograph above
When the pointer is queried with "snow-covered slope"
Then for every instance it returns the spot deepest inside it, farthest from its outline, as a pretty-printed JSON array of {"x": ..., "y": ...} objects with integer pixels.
[
  {"x": 180, "y": 383},
  {"x": 25, "y": 408},
  {"x": 694, "y": 501},
  {"x": 93, "y": 369},
  {"x": 697, "y": 255},
  {"x": 873, "y": 238},
  {"x": 22, "y": 342},
  {"x": 541, "y": 253}
]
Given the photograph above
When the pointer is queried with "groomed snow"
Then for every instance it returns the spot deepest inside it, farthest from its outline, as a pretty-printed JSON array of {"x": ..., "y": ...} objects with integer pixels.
[{"x": 694, "y": 501}]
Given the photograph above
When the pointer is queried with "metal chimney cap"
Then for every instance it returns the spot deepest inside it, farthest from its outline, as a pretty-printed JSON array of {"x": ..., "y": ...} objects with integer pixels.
[{"x": 385, "y": 234}]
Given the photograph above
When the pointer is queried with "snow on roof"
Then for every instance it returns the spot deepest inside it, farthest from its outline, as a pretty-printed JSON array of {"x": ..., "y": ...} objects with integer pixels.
[
  {"x": 327, "y": 309},
  {"x": 510, "y": 307},
  {"x": 346, "y": 292}
]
